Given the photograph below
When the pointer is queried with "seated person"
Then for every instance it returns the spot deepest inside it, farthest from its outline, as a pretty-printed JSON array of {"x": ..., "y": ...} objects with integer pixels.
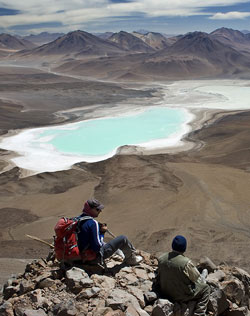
[
  {"x": 179, "y": 280},
  {"x": 90, "y": 238}
]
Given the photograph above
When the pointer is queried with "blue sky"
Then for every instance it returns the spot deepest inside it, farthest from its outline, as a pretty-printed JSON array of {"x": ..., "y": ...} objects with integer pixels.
[{"x": 165, "y": 16}]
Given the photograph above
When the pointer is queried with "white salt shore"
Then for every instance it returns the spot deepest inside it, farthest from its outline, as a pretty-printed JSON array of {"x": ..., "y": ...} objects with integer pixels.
[{"x": 200, "y": 98}]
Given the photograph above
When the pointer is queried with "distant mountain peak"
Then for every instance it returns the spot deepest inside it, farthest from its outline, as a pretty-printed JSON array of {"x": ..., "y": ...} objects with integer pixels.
[
  {"x": 77, "y": 42},
  {"x": 8, "y": 41},
  {"x": 130, "y": 42}
]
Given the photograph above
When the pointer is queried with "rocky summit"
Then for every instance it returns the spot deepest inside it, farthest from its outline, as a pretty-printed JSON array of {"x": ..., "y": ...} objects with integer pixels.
[{"x": 47, "y": 288}]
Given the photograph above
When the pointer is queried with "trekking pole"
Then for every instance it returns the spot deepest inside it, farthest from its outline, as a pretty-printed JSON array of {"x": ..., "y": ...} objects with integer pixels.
[
  {"x": 110, "y": 233},
  {"x": 40, "y": 240}
]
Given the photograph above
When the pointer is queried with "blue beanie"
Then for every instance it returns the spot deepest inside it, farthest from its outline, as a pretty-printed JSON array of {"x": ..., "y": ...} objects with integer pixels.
[{"x": 179, "y": 243}]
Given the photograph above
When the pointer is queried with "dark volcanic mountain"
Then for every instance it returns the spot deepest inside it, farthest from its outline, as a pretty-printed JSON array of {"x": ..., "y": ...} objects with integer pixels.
[
  {"x": 126, "y": 57},
  {"x": 11, "y": 42},
  {"x": 43, "y": 38},
  {"x": 77, "y": 43},
  {"x": 233, "y": 38},
  {"x": 204, "y": 46},
  {"x": 155, "y": 40},
  {"x": 130, "y": 42},
  {"x": 196, "y": 55}
]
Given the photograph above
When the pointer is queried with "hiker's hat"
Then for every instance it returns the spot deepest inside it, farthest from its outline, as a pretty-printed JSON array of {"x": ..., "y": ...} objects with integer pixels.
[
  {"x": 179, "y": 243},
  {"x": 93, "y": 203}
]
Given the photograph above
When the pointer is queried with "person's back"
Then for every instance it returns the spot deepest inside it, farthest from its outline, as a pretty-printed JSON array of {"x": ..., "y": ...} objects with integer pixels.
[
  {"x": 89, "y": 236},
  {"x": 174, "y": 282},
  {"x": 179, "y": 280}
]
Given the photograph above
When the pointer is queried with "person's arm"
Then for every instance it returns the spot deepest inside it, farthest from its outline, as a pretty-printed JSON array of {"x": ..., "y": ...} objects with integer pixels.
[
  {"x": 95, "y": 242},
  {"x": 191, "y": 271}
]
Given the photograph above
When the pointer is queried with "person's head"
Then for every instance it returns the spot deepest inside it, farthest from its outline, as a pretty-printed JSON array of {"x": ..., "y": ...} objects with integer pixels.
[
  {"x": 92, "y": 207},
  {"x": 179, "y": 243}
]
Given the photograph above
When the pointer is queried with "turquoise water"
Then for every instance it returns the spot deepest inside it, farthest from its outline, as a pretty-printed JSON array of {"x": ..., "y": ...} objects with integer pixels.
[{"x": 98, "y": 137}]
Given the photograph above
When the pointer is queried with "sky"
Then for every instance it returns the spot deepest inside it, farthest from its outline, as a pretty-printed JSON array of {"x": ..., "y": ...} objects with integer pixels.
[{"x": 165, "y": 16}]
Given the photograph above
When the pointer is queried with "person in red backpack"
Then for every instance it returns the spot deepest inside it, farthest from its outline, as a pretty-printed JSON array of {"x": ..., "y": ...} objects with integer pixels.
[{"x": 90, "y": 238}]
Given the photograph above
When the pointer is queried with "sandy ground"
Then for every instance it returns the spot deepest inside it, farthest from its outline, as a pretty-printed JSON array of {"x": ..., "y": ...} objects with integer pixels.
[{"x": 201, "y": 193}]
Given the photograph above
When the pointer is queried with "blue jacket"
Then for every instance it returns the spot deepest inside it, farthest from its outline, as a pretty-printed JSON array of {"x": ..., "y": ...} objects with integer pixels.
[{"x": 89, "y": 236}]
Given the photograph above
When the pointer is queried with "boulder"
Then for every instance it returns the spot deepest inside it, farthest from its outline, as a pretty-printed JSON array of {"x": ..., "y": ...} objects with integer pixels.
[
  {"x": 48, "y": 282},
  {"x": 6, "y": 309},
  {"x": 215, "y": 277},
  {"x": 33, "y": 312},
  {"x": 120, "y": 299},
  {"x": 88, "y": 293},
  {"x": 67, "y": 308},
  {"x": 46, "y": 289},
  {"x": 150, "y": 297},
  {"x": 163, "y": 308},
  {"x": 218, "y": 302},
  {"x": 9, "y": 291},
  {"x": 234, "y": 290},
  {"x": 206, "y": 263},
  {"x": 26, "y": 286},
  {"x": 75, "y": 278}
]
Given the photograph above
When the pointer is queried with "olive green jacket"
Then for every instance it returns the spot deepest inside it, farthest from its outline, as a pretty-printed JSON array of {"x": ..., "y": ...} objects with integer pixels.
[{"x": 174, "y": 283}]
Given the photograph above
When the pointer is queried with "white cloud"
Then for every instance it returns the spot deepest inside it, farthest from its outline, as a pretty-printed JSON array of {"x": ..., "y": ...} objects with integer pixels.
[
  {"x": 79, "y": 12},
  {"x": 234, "y": 15}
]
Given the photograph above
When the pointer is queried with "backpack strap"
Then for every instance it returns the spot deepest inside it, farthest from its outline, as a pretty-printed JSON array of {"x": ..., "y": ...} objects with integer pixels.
[
  {"x": 81, "y": 220},
  {"x": 84, "y": 218}
]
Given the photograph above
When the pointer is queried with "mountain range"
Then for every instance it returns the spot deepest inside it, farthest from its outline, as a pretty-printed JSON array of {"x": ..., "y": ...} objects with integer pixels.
[
  {"x": 42, "y": 38},
  {"x": 135, "y": 56}
]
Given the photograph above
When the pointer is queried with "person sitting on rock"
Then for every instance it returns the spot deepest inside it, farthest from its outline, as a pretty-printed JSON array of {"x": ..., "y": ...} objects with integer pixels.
[
  {"x": 179, "y": 280},
  {"x": 90, "y": 238}
]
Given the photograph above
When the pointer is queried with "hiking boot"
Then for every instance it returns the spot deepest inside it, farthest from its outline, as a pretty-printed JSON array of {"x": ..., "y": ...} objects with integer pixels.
[{"x": 133, "y": 260}]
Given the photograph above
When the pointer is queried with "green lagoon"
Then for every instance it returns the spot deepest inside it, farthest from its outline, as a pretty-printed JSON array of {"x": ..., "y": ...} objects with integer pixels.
[{"x": 98, "y": 137}]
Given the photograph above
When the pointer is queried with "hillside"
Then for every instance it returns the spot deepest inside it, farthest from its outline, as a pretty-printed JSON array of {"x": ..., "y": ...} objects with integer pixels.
[
  {"x": 145, "y": 57},
  {"x": 8, "y": 41},
  {"x": 130, "y": 42},
  {"x": 76, "y": 43},
  {"x": 232, "y": 38},
  {"x": 45, "y": 288},
  {"x": 155, "y": 40}
]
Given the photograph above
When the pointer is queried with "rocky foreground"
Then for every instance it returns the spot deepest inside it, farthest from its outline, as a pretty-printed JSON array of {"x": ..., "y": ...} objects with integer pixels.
[{"x": 46, "y": 288}]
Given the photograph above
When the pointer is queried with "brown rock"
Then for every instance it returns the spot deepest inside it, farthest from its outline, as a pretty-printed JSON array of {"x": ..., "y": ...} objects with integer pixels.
[
  {"x": 42, "y": 276},
  {"x": 75, "y": 277},
  {"x": 67, "y": 308},
  {"x": 234, "y": 290},
  {"x": 104, "y": 281},
  {"x": 162, "y": 308},
  {"x": 6, "y": 309},
  {"x": 119, "y": 299},
  {"x": 215, "y": 277},
  {"x": 32, "y": 312},
  {"x": 218, "y": 302},
  {"x": 9, "y": 291},
  {"x": 46, "y": 283},
  {"x": 141, "y": 274},
  {"x": 206, "y": 263},
  {"x": 88, "y": 293},
  {"x": 26, "y": 286},
  {"x": 138, "y": 294}
]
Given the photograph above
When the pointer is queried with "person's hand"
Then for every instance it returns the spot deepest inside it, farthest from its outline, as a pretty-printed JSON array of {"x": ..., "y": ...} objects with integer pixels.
[{"x": 103, "y": 227}]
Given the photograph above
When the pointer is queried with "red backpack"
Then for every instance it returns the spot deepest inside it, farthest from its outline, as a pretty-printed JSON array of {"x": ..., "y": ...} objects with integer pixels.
[{"x": 65, "y": 243}]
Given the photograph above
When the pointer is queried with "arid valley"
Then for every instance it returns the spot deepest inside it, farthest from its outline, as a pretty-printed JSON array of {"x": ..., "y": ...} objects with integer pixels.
[{"x": 200, "y": 190}]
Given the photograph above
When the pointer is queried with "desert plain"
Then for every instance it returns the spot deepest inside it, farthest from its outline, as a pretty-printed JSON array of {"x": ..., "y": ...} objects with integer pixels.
[{"x": 200, "y": 191}]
